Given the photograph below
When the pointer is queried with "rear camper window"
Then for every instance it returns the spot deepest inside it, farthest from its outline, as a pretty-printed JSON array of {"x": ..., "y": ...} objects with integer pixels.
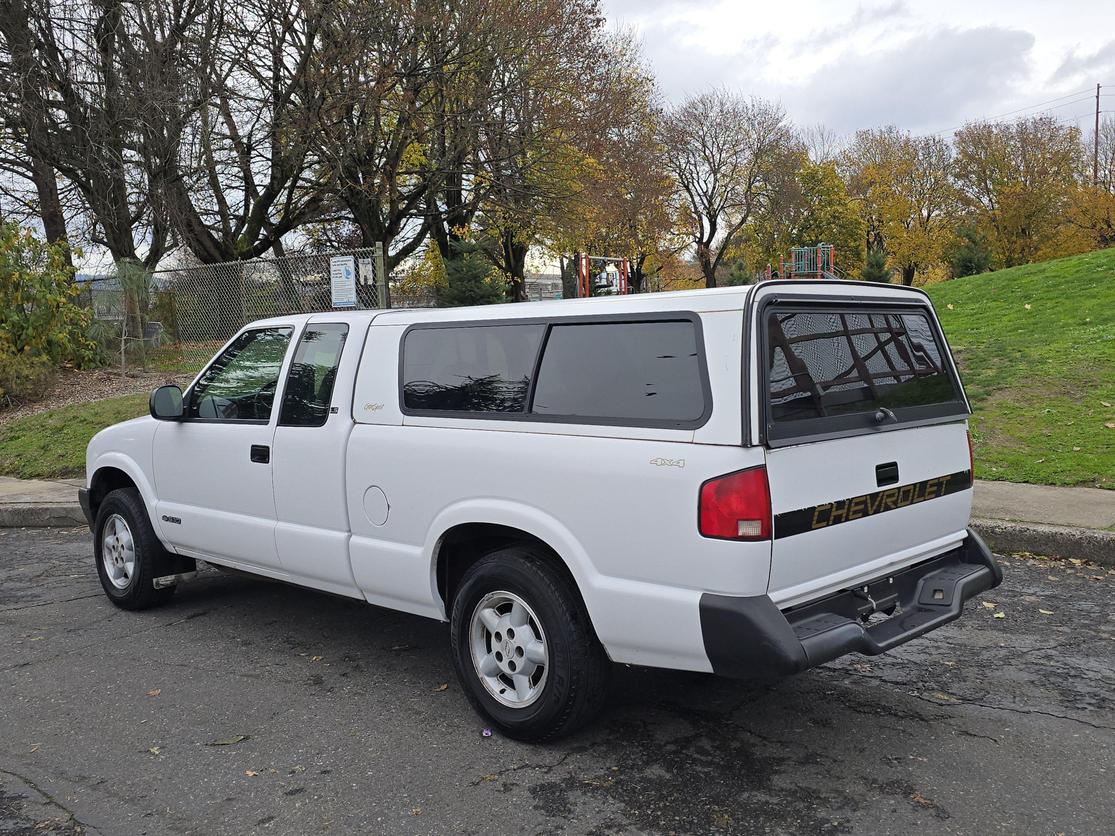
[
  {"x": 623, "y": 372},
  {"x": 833, "y": 370}
]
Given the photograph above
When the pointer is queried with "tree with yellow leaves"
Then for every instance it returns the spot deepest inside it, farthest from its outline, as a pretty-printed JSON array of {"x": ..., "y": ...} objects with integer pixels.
[
  {"x": 907, "y": 200},
  {"x": 1019, "y": 181},
  {"x": 809, "y": 205}
]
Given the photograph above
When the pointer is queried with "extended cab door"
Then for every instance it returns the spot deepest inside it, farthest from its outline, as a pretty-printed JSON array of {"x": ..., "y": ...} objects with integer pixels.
[
  {"x": 311, "y": 442},
  {"x": 865, "y": 422},
  {"x": 213, "y": 468}
]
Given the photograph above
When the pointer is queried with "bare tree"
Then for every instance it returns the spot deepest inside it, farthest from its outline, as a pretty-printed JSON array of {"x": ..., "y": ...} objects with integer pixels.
[
  {"x": 721, "y": 150},
  {"x": 68, "y": 98},
  {"x": 229, "y": 149},
  {"x": 822, "y": 143}
]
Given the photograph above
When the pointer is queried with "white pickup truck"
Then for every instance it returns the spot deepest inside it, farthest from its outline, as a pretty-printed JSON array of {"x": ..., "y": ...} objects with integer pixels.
[{"x": 746, "y": 481}]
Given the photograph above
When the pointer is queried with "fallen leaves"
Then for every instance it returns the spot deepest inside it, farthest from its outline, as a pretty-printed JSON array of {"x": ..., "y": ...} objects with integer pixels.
[
  {"x": 442, "y": 687},
  {"x": 155, "y": 750},
  {"x": 1045, "y": 612},
  {"x": 917, "y": 797},
  {"x": 229, "y": 741},
  {"x": 316, "y": 658},
  {"x": 1110, "y": 425},
  {"x": 154, "y": 692},
  {"x": 251, "y": 773},
  {"x": 1000, "y": 614}
]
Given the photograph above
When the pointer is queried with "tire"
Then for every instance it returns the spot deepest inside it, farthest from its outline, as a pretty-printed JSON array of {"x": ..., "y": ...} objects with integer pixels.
[
  {"x": 566, "y": 678},
  {"x": 127, "y": 574}
]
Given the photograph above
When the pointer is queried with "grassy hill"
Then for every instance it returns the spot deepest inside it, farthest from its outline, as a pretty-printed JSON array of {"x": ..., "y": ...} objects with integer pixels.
[{"x": 1036, "y": 347}]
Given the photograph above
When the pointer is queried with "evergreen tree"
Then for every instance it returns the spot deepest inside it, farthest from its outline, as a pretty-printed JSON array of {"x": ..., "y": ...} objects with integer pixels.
[
  {"x": 468, "y": 281},
  {"x": 969, "y": 253},
  {"x": 876, "y": 270},
  {"x": 738, "y": 274}
]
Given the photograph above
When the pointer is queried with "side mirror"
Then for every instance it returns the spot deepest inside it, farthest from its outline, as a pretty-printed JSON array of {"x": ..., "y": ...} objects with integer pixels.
[{"x": 166, "y": 403}]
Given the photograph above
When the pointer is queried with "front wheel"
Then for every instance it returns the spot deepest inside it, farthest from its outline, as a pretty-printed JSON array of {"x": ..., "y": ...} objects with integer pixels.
[
  {"x": 524, "y": 648},
  {"x": 127, "y": 552}
]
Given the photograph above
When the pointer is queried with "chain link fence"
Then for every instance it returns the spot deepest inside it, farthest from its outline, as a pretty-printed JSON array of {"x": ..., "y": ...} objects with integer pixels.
[
  {"x": 189, "y": 310},
  {"x": 176, "y": 318}
]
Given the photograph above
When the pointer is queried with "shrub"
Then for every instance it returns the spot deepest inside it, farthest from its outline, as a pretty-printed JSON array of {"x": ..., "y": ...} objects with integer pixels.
[
  {"x": 22, "y": 376},
  {"x": 39, "y": 316}
]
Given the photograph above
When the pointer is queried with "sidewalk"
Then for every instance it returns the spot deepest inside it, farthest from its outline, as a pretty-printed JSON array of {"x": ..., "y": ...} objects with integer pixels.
[
  {"x": 33, "y": 503},
  {"x": 1067, "y": 522}
]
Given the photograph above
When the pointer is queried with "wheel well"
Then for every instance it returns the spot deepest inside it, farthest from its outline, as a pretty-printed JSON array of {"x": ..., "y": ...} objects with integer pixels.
[
  {"x": 461, "y": 546},
  {"x": 105, "y": 481}
]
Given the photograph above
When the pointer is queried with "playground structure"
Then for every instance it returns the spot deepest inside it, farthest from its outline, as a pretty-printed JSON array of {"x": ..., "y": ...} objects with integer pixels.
[
  {"x": 602, "y": 275},
  {"x": 818, "y": 262}
]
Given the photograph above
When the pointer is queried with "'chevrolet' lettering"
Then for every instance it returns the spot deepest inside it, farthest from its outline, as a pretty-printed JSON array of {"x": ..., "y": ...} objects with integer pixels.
[{"x": 789, "y": 523}]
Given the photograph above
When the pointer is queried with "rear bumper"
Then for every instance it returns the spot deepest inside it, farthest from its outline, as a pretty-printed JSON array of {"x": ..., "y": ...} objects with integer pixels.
[{"x": 751, "y": 637}]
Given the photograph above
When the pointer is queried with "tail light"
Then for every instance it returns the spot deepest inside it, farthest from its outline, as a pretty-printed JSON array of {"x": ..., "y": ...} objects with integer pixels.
[
  {"x": 736, "y": 506},
  {"x": 971, "y": 457}
]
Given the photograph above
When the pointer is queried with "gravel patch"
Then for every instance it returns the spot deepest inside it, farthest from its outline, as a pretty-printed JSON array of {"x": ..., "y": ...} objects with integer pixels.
[{"x": 71, "y": 386}]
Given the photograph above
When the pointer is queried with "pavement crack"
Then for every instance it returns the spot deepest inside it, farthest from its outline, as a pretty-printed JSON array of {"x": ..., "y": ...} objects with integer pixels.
[
  {"x": 49, "y": 603},
  {"x": 545, "y": 768},
  {"x": 50, "y": 799}
]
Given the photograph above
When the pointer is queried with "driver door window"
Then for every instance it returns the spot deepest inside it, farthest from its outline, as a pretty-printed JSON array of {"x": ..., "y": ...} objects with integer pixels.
[{"x": 240, "y": 384}]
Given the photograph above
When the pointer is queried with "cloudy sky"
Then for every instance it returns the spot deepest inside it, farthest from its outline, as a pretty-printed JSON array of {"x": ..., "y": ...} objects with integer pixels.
[{"x": 925, "y": 65}]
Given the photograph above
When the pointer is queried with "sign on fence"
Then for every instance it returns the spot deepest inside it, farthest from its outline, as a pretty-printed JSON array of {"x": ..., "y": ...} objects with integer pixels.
[{"x": 342, "y": 281}]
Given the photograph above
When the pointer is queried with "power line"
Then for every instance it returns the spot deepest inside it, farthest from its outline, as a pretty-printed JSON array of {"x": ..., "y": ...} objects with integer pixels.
[{"x": 1076, "y": 93}]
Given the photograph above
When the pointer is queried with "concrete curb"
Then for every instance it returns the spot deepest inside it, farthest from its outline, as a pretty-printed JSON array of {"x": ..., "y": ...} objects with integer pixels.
[
  {"x": 1092, "y": 544},
  {"x": 45, "y": 515}
]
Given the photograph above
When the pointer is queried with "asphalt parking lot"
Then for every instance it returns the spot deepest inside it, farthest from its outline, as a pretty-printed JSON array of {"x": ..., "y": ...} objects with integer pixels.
[{"x": 251, "y": 707}]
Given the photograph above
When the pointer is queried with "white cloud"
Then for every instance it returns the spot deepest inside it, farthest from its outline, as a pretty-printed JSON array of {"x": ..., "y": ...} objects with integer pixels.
[{"x": 925, "y": 66}]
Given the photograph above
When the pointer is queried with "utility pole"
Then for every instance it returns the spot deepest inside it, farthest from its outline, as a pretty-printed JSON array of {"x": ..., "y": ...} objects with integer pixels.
[{"x": 1096, "y": 144}]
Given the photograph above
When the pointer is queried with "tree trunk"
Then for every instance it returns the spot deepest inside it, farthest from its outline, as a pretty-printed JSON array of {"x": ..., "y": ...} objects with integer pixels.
[
  {"x": 515, "y": 259},
  {"x": 50, "y": 206},
  {"x": 708, "y": 268},
  {"x": 908, "y": 274},
  {"x": 228, "y": 302},
  {"x": 638, "y": 277},
  {"x": 568, "y": 277},
  {"x": 291, "y": 299}
]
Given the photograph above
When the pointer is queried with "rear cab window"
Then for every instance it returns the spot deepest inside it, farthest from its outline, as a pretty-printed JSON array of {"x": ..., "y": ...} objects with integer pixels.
[{"x": 840, "y": 369}]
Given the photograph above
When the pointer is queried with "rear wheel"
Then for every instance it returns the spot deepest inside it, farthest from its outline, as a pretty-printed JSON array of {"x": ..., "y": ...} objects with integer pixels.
[
  {"x": 127, "y": 552},
  {"x": 524, "y": 648}
]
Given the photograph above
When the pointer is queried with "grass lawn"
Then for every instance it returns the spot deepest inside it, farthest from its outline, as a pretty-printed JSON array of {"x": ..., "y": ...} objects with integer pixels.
[
  {"x": 51, "y": 445},
  {"x": 1036, "y": 347}
]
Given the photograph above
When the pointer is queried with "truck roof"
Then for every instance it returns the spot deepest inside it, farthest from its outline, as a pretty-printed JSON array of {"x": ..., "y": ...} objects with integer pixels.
[{"x": 696, "y": 300}]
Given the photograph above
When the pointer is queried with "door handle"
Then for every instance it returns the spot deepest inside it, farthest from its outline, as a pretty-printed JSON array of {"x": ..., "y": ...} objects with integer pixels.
[
  {"x": 261, "y": 453},
  {"x": 886, "y": 474}
]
